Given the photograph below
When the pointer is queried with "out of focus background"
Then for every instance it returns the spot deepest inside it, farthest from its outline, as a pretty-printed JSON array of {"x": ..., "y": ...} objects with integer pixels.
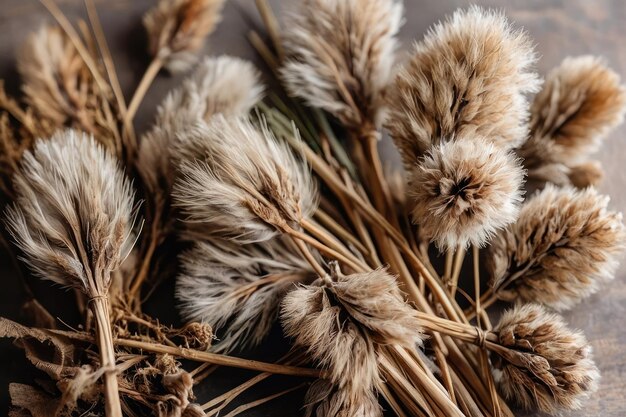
[{"x": 560, "y": 28}]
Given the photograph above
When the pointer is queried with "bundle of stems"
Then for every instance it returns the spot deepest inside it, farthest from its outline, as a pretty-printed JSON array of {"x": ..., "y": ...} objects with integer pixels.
[{"x": 281, "y": 209}]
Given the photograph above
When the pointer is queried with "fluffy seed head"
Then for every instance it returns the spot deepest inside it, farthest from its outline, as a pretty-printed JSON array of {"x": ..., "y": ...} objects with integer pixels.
[
  {"x": 464, "y": 191},
  {"x": 219, "y": 85},
  {"x": 564, "y": 244},
  {"x": 581, "y": 102},
  {"x": 466, "y": 78},
  {"x": 340, "y": 56},
  {"x": 239, "y": 182},
  {"x": 177, "y": 30},
  {"x": 549, "y": 367},
  {"x": 324, "y": 399},
  {"x": 59, "y": 87},
  {"x": 237, "y": 289},
  {"x": 341, "y": 320},
  {"x": 74, "y": 212}
]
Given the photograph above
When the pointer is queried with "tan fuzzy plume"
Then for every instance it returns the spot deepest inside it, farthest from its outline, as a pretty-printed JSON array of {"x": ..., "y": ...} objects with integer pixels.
[
  {"x": 581, "y": 102},
  {"x": 340, "y": 56},
  {"x": 237, "y": 289},
  {"x": 219, "y": 85},
  {"x": 239, "y": 182},
  {"x": 466, "y": 78},
  {"x": 564, "y": 244},
  {"x": 73, "y": 220},
  {"x": 325, "y": 399},
  {"x": 551, "y": 369},
  {"x": 177, "y": 30},
  {"x": 341, "y": 321},
  {"x": 463, "y": 191},
  {"x": 73, "y": 215},
  {"x": 59, "y": 87}
]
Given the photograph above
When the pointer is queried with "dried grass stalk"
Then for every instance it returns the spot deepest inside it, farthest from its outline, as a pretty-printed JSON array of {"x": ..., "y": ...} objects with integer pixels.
[
  {"x": 563, "y": 246},
  {"x": 239, "y": 182},
  {"x": 177, "y": 30},
  {"x": 467, "y": 78},
  {"x": 340, "y": 56},
  {"x": 462, "y": 192},
  {"x": 73, "y": 220}
]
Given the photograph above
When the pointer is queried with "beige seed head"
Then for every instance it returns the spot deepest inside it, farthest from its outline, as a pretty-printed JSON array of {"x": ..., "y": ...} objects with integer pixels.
[
  {"x": 463, "y": 191},
  {"x": 340, "y": 56},
  {"x": 467, "y": 78},
  {"x": 551, "y": 369},
  {"x": 565, "y": 243},
  {"x": 342, "y": 320},
  {"x": 73, "y": 215},
  {"x": 177, "y": 29},
  {"x": 237, "y": 181}
]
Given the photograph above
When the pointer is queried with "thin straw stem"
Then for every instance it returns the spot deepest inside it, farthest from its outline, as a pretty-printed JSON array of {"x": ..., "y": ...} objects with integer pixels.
[
  {"x": 100, "y": 309},
  {"x": 151, "y": 72}
]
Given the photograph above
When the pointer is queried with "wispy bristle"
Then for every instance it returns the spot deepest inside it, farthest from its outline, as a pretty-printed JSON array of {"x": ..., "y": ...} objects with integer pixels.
[
  {"x": 237, "y": 289},
  {"x": 552, "y": 370},
  {"x": 74, "y": 212},
  {"x": 463, "y": 191},
  {"x": 177, "y": 30},
  {"x": 239, "y": 182},
  {"x": 563, "y": 246},
  {"x": 340, "y": 56},
  {"x": 466, "y": 78}
]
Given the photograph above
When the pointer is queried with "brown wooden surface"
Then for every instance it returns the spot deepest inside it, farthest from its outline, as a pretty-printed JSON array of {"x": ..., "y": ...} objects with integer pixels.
[{"x": 559, "y": 27}]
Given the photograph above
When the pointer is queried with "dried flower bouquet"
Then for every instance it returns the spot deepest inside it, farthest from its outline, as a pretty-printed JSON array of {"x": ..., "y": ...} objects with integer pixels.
[{"x": 277, "y": 206}]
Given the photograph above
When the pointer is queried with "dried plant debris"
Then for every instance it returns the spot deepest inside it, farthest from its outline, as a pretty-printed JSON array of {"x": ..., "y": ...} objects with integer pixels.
[
  {"x": 340, "y": 56},
  {"x": 177, "y": 29},
  {"x": 467, "y": 78},
  {"x": 553, "y": 370}
]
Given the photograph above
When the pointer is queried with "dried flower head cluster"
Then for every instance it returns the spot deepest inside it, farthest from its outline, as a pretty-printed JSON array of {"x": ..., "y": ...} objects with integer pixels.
[
  {"x": 238, "y": 181},
  {"x": 233, "y": 210},
  {"x": 467, "y": 78},
  {"x": 237, "y": 289},
  {"x": 340, "y": 56},
  {"x": 581, "y": 102},
  {"x": 464, "y": 191},
  {"x": 551, "y": 369},
  {"x": 177, "y": 30},
  {"x": 563, "y": 246},
  {"x": 73, "y": 215},
  {"x": 340, "y": 321}
]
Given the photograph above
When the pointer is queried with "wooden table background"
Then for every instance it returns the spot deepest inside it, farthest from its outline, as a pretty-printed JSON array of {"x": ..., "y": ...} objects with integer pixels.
[{"x": 559, "y": 28}]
